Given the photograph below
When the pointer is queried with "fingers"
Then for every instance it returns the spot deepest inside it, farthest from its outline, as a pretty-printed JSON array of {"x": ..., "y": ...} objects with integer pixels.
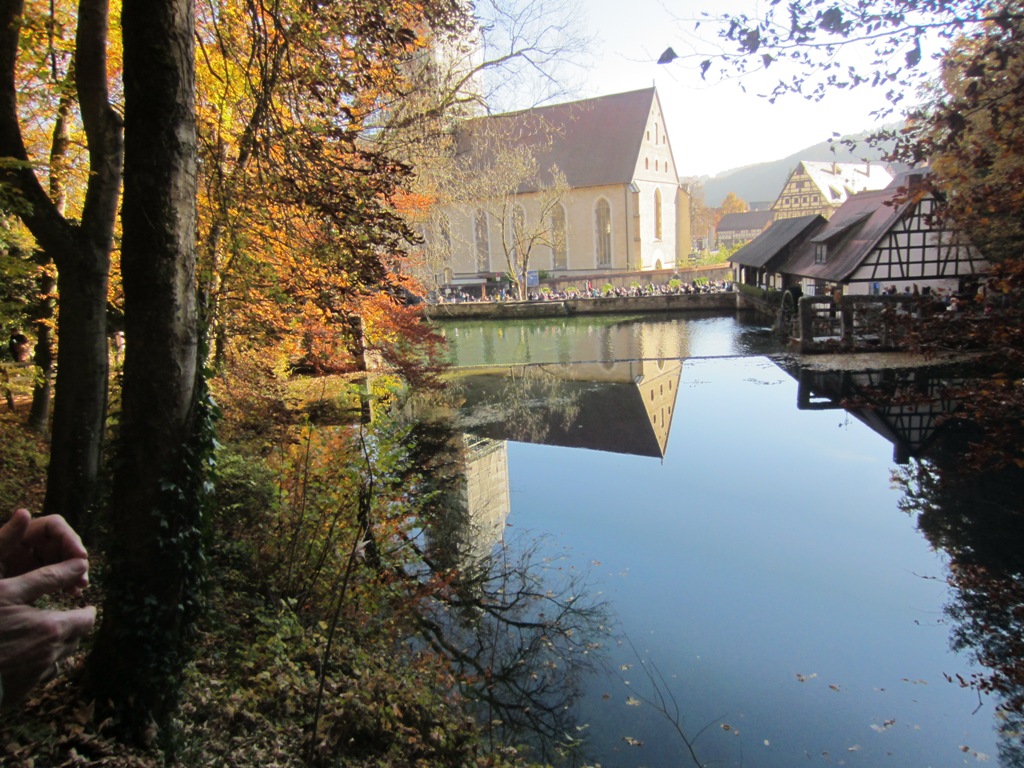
[
  {"x": 53, "y": 539},
  {"x": 12, "y": 533},
  {"x": 68, "y": 575},
  {"x": 33, "y": 640},
  {"x": 73, "y": 626},
  {"x": 27, "y": 543}
]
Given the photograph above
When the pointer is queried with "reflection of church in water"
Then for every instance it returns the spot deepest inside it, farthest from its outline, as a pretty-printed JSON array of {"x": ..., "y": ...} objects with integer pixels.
[{"x": 614, "y": 404}]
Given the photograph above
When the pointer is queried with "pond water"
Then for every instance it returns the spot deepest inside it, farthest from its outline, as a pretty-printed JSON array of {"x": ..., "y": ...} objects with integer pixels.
[{"x": 773, "y": 605}]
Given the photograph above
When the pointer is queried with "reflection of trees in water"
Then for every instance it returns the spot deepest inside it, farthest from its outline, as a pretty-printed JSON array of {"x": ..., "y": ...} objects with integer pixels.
[
  {"x": 532, "y": 398},
  {"x": 525, "y": 633},
  {"x": 978, "y": 520},
  {"x": 522, "y": 630}
]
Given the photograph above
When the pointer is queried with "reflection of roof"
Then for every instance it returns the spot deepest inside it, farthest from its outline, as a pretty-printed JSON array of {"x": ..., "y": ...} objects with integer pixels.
[
  {"x": 777, "y": 240},
  {"x": 593, "y": 142},
  {"x": 852, "y": 232},
  {"x": 737, "y": 222},
  {"x": 609, "y": 416}
]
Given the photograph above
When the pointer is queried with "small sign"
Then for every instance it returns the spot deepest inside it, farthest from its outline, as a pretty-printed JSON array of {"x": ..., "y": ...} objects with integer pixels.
[{"x": 532, "y": 278}]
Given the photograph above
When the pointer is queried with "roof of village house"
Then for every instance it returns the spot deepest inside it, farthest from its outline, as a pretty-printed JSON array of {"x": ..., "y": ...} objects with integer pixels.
[
  {"x": 594, "y": 142},
  {"x": 775, "y": 240},
  {"x": 837, "y": 181},
  {"x": 852, "y": 232},
  {"x": 740, "y": 222}
]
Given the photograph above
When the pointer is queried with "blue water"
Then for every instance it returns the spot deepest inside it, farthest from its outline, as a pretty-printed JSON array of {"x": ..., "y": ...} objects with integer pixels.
[{"x": 761, "y": 570}]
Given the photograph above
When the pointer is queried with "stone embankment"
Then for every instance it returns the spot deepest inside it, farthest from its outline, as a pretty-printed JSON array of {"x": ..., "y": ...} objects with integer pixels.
[{"x": 611, "y": 305}]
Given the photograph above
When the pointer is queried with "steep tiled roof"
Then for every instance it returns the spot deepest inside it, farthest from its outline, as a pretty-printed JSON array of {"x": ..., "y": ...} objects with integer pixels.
[
  {"x": 593, "y": 142},
  {"x": 777, "y": 240},
  {"x": 837, "y": 181},
  {"x": 851, "y": 233}
]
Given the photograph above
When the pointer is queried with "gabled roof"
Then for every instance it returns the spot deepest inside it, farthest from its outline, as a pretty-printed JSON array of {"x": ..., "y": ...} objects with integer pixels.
[
  {"x": 852, "y": 232},
  {"x": 594, "y": 142},
  {"x": 735, "y": 222},
  {"x": 777, "y": 240},
  {"x": 837, "y": 181}
]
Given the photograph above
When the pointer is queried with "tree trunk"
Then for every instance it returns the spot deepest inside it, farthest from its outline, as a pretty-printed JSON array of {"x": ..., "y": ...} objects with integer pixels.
[
  {"x": 80, "y": 251},
  {"x": 42, "y": 392},
  {"x": 79, "y": 409},
  {"x": 155, "y": 550}
]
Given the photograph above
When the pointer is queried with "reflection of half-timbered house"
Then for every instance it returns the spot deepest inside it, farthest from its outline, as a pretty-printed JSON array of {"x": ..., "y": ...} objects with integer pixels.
[
  {"x": 913, "y": 422},
  {"x": 876, "y": 242}
]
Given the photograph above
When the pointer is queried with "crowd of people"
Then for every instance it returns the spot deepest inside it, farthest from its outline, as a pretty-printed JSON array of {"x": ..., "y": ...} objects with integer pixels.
[{"x": 455, "y": 295}]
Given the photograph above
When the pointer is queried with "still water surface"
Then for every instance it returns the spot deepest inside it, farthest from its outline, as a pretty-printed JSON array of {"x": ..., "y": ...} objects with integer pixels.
[{"x": 753, "y": 554}]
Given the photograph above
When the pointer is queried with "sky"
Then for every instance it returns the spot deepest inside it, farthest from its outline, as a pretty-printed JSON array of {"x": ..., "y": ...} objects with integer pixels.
[{"x": 712, "y": 127}]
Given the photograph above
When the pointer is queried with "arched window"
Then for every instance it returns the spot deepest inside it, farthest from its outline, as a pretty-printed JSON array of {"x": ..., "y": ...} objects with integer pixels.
[
  {"x": 657, "y": 214},
  {"x": 559, "y": 245},
  {"x": 483, "y": 242},
  {"x": 603, "y": 233}
]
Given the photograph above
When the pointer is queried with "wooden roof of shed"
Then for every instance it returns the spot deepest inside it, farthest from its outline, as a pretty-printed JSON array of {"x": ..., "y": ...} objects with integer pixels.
[
  {"x": 594, "y": 142},
  {"x": 776, "y": 241}
]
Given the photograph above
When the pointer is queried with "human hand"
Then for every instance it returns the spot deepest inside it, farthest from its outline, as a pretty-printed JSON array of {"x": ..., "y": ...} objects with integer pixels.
[
  {"x": 33, "y": 640},
  {"x": 27, "y": 543}
]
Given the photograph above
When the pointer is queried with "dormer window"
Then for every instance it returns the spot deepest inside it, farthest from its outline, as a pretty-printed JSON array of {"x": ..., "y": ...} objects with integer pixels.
[{"x": 820, "y": 253}]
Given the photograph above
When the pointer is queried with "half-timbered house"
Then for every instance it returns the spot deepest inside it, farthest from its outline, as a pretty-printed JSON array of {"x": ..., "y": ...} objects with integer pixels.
[
  {"x": 738, "y": 228},
  {"x": 884, "y": 241},
  {"x": 878, "y": 242},
  {"x": 822, "y": 188}
]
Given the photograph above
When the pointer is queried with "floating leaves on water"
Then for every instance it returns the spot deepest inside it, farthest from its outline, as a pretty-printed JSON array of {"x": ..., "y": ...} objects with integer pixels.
[
  {"x": 632, "y": 701},
  {"x": 624, "y": 667},
  {"x": 834, "y": 687},
  {"x": 767, "y": 743},
  {"x": 805, "y": 678},
  {"x": 915, "y": 682},
  {"x": 981, "y": 757},
  {"x": 854, "y": 748},
  {"x": 884, "y": 726},
  {"x": 632, "y": 742}
]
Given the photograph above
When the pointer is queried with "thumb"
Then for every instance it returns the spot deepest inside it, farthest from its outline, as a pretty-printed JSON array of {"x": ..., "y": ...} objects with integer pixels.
[{"x": 29, "y": 587}]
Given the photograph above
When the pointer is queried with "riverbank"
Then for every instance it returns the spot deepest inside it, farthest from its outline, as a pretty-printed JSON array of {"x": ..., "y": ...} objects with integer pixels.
[{"x": 610, "y": 305}]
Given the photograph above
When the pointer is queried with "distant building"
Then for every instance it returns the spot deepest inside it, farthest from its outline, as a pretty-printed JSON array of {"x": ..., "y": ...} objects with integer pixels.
[
  {"x": 737, "y": 228},
  {"x": 624, "y": 210},
  {"x": 821, "y": 188}
]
